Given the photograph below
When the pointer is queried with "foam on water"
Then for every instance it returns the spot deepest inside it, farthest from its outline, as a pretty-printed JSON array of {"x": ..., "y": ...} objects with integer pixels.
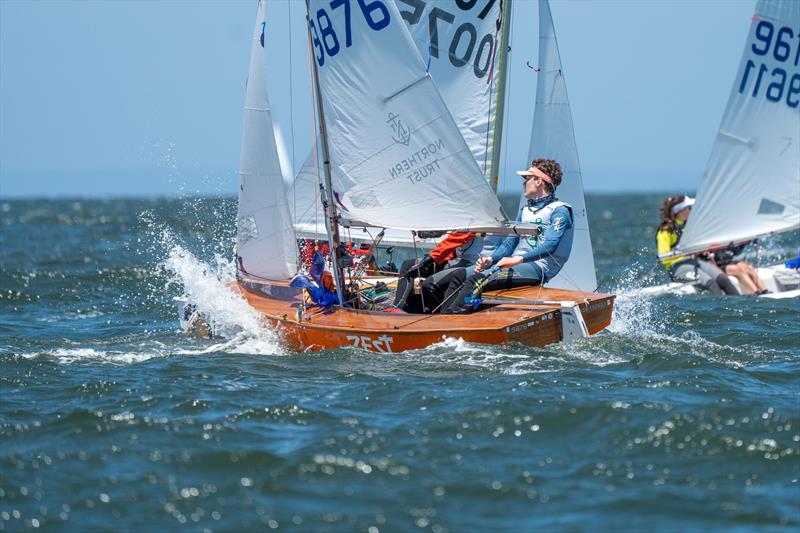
[
  {"x": 514, "y": 359},
  {"x": 636, "y": 318},
  {"x": 79, "y": 355},
  {"x": 210, "y": 288},
  {"x": 633, "y": 311}
]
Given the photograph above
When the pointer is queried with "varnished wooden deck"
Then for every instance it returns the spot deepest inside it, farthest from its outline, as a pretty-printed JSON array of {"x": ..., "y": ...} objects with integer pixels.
[{"x": 534, "y": 325}]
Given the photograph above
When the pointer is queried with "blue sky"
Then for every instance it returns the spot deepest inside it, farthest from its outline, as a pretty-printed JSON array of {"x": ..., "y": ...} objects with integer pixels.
[{"x": 145, "y": 97}]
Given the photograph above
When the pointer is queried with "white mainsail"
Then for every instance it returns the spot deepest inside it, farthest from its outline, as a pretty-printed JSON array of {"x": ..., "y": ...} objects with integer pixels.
[
  {"x": 265, "y": 240},
  {"x": 402, "y": 162},
  {"x": 459, "y": 42},
  {"x": 553, "y": 137},
  {"x": 751, "y": 185}
]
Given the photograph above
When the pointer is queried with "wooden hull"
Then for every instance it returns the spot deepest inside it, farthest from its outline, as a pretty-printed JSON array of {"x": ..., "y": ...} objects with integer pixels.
[{"x": 316, "y": 329}]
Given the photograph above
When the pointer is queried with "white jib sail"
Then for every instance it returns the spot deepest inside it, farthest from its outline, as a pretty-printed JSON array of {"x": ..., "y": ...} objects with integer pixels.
[
  {"x": 305, "y": 201},
  {"x": 459, "y": 42},
  {"x": 289, "y": 82},
  {"x": 265, "y": 240},
  {"x": 402, "y": 162},
  {"x": 751, "y": 185},
  {"x": 553, "y": 137}
]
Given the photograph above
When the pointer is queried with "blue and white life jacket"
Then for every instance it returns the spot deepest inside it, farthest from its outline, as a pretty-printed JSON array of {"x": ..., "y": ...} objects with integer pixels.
[{"x": 551, "y": 263}]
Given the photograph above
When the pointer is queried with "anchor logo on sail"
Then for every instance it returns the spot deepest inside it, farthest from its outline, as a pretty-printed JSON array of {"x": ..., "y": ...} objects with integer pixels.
[{"x": 402, "y": 134}]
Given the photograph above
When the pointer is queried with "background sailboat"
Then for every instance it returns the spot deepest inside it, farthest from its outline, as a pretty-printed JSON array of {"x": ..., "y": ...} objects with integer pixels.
[{"x": 751, "y": 186}]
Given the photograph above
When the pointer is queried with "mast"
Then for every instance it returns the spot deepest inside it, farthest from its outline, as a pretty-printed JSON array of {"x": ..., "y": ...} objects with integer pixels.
[
  {"x": 331, "y": 219},
  {"x": 494, "y": 168}
]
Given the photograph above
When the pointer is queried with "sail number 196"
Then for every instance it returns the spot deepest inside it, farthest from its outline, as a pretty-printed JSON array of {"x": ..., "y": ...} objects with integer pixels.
[{"x": 774, "y": 83}]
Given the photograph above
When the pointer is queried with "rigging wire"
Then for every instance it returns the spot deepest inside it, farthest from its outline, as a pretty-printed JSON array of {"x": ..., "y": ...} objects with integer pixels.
[
  {"x": 291, "y": 114},
  {"x": 490, "y": 82},
  {"x": 416, "y": 258},
  {"x": 315, "y": 188},
  {"x": 508, "y": 87}
]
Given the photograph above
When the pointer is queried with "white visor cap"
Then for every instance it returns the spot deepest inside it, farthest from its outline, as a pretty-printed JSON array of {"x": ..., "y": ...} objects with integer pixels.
[{"x": 680, "y": 206}]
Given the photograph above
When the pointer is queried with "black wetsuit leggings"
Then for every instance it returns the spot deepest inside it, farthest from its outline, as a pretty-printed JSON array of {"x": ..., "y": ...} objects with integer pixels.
[
  {"x": 704, "y": 274},
  {"x": 407, "y": 275}
]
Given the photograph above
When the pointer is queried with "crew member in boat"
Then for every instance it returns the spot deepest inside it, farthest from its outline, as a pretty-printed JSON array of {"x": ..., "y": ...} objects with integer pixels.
[
  {"x": 744, "y": 272},
  {"x": 457, "y": 249},
  {"x": 521, "y": 261},
  {"x": 434, "y": 287},
  {"x": 700, "y": 270}
]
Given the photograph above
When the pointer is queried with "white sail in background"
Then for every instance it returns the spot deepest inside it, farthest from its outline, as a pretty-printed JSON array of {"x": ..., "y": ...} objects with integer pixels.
[
  {"x": 402, "y": 162},
  {"x": 553, "y": 137},
  {"x": 309, "y": 218},
  {"x": 459, "y": 43},
  {"x": 304, "y": 199},
  {"x": 265, "y": 240},
  {"x": 289, "y": 82},
  {"x": 751, "y": 185}
]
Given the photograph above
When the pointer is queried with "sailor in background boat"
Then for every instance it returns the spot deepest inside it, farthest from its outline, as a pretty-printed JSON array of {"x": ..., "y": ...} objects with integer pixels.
[
  {"x": 705, "y": 270},
  {"x": 744, "y": 272},
  {"x": 525, "y": 261}
]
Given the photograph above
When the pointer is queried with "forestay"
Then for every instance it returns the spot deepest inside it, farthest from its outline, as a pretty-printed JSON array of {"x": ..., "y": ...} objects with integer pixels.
[
  {"x": 553, "y": 137},
  {"x": 402, "y": 162},
  {"x": 752, "y": 180},
  {"x": 265, "y": 240}
]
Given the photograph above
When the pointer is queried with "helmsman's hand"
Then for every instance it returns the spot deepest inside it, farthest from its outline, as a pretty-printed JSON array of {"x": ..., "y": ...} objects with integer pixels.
[
  {"x": 483, "y": 263},
  {"x": 509, "y": 262}
]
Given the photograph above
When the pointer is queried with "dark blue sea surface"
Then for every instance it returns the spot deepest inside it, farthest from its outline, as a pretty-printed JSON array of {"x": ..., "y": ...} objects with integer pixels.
[{"x": 683, "y": 415}]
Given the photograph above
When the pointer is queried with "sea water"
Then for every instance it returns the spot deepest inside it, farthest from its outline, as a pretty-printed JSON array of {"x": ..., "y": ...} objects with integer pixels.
[{"x": 684, "y": 414}]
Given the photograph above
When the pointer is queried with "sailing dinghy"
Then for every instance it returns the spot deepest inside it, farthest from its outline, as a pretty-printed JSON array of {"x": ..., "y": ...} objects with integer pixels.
[
  {"x": 394, "y": 156},
  {"x": 751, "y": 186}
]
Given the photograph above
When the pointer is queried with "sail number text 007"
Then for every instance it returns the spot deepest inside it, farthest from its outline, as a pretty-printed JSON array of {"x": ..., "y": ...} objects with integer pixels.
[
  {"x": 779, "y": 43},
  {"x": 327, "y": 43}
]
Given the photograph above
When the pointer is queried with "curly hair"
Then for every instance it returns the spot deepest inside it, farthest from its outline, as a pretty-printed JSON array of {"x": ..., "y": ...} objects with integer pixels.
[
  {"x": 551, "y": 168},
  {"x": 667, "y": 216}
]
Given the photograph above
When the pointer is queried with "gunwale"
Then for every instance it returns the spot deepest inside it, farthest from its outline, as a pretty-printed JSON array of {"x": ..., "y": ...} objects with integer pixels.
[{"x": 531, "y": 324}]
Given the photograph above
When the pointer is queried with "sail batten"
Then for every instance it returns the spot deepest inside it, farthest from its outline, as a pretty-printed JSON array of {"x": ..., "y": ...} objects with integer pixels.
[{"x": 751, "y": 185}]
